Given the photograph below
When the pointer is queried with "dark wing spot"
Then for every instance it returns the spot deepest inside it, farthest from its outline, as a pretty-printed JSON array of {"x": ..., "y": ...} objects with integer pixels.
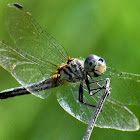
[{"x": 18, "y": 5}]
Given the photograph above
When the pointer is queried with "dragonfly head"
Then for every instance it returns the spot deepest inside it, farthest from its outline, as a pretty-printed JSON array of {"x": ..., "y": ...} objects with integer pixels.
[{"x": 94, "y": 65}]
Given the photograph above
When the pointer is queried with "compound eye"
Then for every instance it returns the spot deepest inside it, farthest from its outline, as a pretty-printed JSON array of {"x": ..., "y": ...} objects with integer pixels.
[{"x": 90, "y": 64}]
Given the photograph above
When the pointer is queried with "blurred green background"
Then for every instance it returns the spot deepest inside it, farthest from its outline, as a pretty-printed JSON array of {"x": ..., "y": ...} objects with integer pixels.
[{"x": 110, "y": 29}]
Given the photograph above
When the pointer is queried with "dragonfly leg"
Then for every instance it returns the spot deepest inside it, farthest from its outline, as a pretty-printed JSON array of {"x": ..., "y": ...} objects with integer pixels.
[
  {"x": 81, "y": 96},
  {"x": 94, "y": 90},
  {"x": 96, "y": 81}
]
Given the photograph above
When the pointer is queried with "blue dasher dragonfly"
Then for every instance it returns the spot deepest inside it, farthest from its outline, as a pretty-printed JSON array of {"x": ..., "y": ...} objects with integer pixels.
[{"x": 39, "y": 63}]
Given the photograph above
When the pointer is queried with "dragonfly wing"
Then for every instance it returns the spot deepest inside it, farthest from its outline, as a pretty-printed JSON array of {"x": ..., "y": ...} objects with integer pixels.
[
  {"x": 24, "y": 70},
  {"x": 114, "y": 114},
  {"x": 125, "y": 86},
  {"x": 30, "y": 39}
]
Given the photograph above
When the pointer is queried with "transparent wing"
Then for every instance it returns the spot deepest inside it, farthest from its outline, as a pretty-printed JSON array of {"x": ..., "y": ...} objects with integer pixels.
[
  {"x": 114, "y": 114},
  {"x": 25, "y": 71},
  {"x": 30, "y": 39},
  {"x": 125, "y": 86},
  {"x": 36, "y": 54}
]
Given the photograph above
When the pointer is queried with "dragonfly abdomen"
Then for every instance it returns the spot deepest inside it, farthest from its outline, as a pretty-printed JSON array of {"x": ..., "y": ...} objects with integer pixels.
[
  {"x": 13, "y": 92},
  {"x": 48, "y": 83}
]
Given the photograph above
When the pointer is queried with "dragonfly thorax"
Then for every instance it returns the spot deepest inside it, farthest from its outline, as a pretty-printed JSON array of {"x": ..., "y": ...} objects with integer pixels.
[{"x": 73, "y": 71}]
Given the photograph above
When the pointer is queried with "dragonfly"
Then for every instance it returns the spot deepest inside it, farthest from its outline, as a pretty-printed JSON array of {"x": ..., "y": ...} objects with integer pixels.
[{"x": 42, "y": 66}]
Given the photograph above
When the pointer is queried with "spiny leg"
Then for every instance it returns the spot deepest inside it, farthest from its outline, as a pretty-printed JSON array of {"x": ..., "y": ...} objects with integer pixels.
[
  {"x": 94, "y": 90},
  {"x": 81, "y": 95}
]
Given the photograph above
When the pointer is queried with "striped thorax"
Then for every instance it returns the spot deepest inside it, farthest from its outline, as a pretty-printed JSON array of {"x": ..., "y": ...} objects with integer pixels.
[{"x": 73, "y": 71}]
